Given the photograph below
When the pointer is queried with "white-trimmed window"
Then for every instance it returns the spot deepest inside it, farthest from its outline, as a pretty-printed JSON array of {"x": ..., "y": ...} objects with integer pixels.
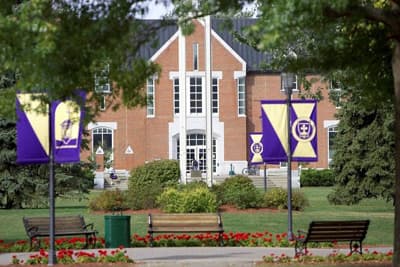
[
  {"x": 332, "y": 132},
  {"x": 196, "y": 95},
  {"x": 335, "y": 93},
  {"x": 101, "y": 81},
  {"x": 102, "y": 137},
  {"x": 214, "y": 98},
  {"x": 195, "y": 56},
  {"x": 176, "y": 95},
  {"x": 283, "y": 164},
  {"x": 241, "y": 95},
  {"x": 295, "y": 84},
  {"x": 150, "y": 97},
  {"x": 102, "y": 102}
]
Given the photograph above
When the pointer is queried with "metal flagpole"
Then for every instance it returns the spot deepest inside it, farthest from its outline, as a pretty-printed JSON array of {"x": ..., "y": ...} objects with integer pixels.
[
  {"x": 209, "y": 139},
  {"x": 182, "y": 106},
  {"x": 265, "y": 177},
  {"x": 52, "y": 251},
  {"x": 288, "y": 83}
]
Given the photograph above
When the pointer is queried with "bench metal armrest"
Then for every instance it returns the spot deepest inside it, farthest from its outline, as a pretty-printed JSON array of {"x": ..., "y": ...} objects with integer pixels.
[
  {"x": 32, "y": 229},
  {"x": 90, "y": 225},
  {"x": 300, "y": 233}
]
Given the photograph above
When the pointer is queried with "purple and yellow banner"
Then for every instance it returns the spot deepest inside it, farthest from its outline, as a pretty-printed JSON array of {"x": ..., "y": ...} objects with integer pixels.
[
  {"x": 256, "y": 148},
  {"x": 303, "y": 117},
  {"x": 33, "y": 130},
  {"x": 67, "y": 119}
]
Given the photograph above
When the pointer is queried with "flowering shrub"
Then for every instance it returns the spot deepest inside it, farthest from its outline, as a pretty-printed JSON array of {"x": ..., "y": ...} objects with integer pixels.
[
  {"x": 188, "y": 199},
  {"x": 238, "y": 239},
  {"x": 68, "y": 256},
  {"x": 60, "y": 243},
  {"x": 260, "y": 239},
  {"x": 331, "y": 258}
]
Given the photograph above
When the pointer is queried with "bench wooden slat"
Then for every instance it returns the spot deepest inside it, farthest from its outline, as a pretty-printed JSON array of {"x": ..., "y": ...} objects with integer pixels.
[
  {"x": 185, "y": 223},
  {"x": 64, "y": 226},
  {"x": 184, "y": 229},
  {"x": 334, "y": 231}
]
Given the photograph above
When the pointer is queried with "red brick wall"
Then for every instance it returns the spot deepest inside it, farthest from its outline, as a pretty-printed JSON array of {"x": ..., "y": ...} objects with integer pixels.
[
  {"x": 148, "y": 137},
  {"x": 267, "y": 86}
]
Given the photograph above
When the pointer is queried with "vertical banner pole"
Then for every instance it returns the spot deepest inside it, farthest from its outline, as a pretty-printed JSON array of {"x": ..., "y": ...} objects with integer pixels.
[
  {"x": 182, "y": 106},
  {"x": 265, "y": 177},
  {"x": 209, "y": 139},
  {"x": 289, "y": 167},
  {"x": 52, "y": 251}
]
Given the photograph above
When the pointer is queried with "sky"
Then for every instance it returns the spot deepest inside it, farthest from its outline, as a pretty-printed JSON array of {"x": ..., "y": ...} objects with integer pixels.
[{"x": 156, "y": 11}]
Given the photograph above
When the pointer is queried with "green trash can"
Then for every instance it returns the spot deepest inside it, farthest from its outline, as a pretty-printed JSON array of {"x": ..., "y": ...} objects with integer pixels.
[{"x": 117, "y": 231}]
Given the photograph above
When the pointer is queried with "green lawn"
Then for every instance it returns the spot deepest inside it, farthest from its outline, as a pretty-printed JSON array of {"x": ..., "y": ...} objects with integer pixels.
[{"x": 378, "y": 211}]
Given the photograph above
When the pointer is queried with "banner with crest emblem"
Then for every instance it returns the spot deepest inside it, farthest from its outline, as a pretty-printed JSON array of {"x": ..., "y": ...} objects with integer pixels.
[
  {"x": 34, "y": 129},
  {"x": 67, "y": 120},
  {"x": 303, "y": 117},
  {"x": 255, "y": 148}
]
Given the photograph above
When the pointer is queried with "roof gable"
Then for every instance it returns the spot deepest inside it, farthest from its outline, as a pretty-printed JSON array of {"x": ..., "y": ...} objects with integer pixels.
[{"x": 246, "y": 54}]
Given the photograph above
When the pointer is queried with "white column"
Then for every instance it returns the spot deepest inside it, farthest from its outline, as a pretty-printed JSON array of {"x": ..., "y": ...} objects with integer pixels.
[
  {"x": 182, "y": 105},
  {"x": 208, "y": 90}
]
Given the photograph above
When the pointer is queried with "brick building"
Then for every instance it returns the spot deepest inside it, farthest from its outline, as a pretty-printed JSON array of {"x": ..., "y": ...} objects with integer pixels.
[{"x": 139, "y": 135}]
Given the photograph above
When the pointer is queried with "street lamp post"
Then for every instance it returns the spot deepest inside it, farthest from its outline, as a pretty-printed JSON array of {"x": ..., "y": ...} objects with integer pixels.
[{"x": 288, "y": 80}]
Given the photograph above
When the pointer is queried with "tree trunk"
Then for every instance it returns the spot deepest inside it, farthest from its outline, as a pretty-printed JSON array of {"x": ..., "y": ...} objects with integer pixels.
[{"x": 396, "y": 77}]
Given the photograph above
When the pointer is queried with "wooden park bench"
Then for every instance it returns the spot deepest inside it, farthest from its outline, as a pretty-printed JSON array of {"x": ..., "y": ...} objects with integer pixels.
[
  {"x": 185, "y": 223},
  {"x": 333, "y": 231},
  {"x": 64, "y": 226}
]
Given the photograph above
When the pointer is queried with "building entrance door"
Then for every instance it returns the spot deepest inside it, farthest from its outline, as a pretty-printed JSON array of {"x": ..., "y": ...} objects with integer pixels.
[{"x": 197, "y": 153}]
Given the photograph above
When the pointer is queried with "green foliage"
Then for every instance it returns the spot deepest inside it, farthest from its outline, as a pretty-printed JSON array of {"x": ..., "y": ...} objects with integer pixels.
[
  {"x": 143, "y": 196},
  {"x": 27, "y": 185},
  {"x": 313, "y": 177},
  {"x": 190, "y": 198},
  {"x": 170, "y": 200},
  {"x": 346, "y": 41},
  {"x": 363, "y": 162},
  {"x": 275, "y": 198},
  {"x": 299, "y": 200},
  {"x": 74, "y": 180},
  {"x": 239, "y": 191},
  {"x": 147, "y": 182},
  {"x": 278, "y": 197},
  {"x": 109, "y": 201},
  {"x": 62, "y": 46}
]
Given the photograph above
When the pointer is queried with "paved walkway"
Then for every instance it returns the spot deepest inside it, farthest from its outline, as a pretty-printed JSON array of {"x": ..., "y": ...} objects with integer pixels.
[{"x": 202, "y": 256}]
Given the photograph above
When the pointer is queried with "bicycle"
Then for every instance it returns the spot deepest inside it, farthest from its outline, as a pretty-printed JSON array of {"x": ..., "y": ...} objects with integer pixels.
[{"x": 251, "y": 170}]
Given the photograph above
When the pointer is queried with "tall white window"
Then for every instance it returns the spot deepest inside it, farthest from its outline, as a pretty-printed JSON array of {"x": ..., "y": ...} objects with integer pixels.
[
  {"x": 215, "y": 101},
  {"x": 295, "y": 84},
  {"x": 332, "y": 132},
  {"x": 196, "y": 95},
  {"x": 102, "y": 137},
  {"x": 150, "y": 97},
  {"x": 241, "y": 96},
  {"x": 101, "y": 80},
  {"x": 335, "y": 93},
  {"x": 102, "y": 102},
  {"x": 176, "y": 96},
  {"x": 195, "y": 56}
]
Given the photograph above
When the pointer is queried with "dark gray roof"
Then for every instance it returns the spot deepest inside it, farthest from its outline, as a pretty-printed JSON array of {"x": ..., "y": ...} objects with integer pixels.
[
  {"x": 253, "y": 58},
  {"x": 161, "y": 37}
]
